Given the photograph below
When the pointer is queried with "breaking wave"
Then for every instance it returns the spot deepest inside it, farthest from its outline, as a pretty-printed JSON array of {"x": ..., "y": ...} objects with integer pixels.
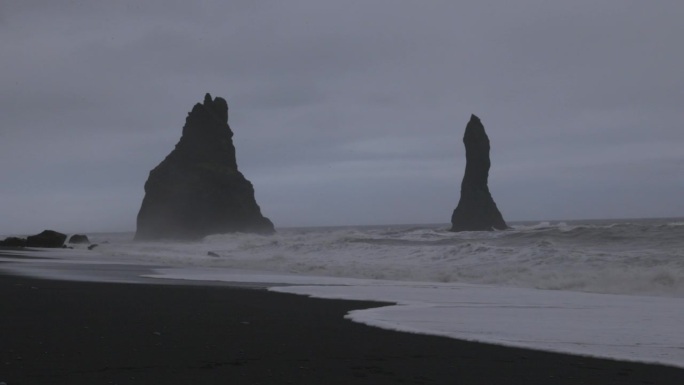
[{"x": 640, "y": 257}]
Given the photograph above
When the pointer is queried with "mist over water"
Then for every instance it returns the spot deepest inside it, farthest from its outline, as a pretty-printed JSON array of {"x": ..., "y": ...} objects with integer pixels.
[{"x": 636, "y": 257}]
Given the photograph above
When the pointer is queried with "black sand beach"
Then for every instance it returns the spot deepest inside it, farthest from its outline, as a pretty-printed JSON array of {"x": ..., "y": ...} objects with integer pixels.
[{"x": 60, "y": 332}]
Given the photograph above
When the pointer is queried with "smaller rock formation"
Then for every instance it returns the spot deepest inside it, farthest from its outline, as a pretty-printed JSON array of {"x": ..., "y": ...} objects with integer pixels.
[
  {"x": 48, "y": 238},
  {"x": 197, "y": 190},
  {"x": 79, "y": 239},
  {"x": 476, "y": 210},
  {"x": 13, "y": 242}
]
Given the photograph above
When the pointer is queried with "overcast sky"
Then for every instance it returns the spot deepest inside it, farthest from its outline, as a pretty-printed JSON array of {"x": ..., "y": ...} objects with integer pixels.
[{"x": 345, "y": 112}]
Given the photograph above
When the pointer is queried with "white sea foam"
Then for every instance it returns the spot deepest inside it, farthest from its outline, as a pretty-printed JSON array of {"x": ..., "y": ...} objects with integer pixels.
[
  {"x": 613, "y": 258},
  {"x": 630, "y": 328}
]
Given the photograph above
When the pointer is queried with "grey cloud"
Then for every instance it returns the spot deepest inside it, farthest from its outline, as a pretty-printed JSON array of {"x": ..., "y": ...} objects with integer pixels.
[{"x": 359, "y": 103}]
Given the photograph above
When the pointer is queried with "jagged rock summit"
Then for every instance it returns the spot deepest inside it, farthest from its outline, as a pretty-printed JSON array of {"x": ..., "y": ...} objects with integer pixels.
[
  {"x": 476, "y": 210},
  {"x": 197, "y": 190}
]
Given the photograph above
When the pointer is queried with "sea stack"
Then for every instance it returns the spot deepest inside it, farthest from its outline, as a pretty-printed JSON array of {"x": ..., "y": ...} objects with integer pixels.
[
  {"x": 197, "y": 190},
  {"x": 476, "y": 210}
]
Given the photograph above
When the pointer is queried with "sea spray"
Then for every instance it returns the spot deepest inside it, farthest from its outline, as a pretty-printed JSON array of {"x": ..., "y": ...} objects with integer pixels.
[{"x": 623, "y": 257}]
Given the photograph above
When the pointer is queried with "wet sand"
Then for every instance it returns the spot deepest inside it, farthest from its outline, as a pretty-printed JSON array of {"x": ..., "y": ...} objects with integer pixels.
[{"x": 63, "y": 332}]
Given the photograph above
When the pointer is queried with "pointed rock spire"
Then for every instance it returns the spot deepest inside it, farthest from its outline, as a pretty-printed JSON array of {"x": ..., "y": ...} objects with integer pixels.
[
  {"x": 197, "y": 190},
  {"x": 476, "y": 209}
]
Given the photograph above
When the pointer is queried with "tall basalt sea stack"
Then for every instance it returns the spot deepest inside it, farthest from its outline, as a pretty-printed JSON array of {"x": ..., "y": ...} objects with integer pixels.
[
  {"x": 476, "y": 210},
  {"x": 197, "y": 190}
]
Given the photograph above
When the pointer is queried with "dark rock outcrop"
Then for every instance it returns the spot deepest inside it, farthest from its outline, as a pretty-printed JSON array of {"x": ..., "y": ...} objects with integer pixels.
[
  {"x": 79, "y": 239},
  {"x": 476, "y": 210},
  {"x": 197, "y": 190},
  {"x": 13, "y": 242},
  {"x": 48, "y": 238}
]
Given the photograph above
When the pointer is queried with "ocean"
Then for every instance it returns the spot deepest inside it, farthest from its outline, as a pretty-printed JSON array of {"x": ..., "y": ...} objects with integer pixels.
[{"x": 606, "y": 288}]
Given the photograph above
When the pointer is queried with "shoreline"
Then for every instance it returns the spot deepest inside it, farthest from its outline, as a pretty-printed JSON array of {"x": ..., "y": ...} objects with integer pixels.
[{"x": 87, "y": 332}]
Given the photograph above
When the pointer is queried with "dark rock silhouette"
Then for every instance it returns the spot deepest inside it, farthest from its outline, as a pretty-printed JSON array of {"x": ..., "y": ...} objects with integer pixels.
[
  {"x": 13, "y": 242},
  {"x": 197, "y": 190},
  {"x": 476, "y": 210},
  {"x": 78, "y": 239},
  {"x": 48, "y": 238}
]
